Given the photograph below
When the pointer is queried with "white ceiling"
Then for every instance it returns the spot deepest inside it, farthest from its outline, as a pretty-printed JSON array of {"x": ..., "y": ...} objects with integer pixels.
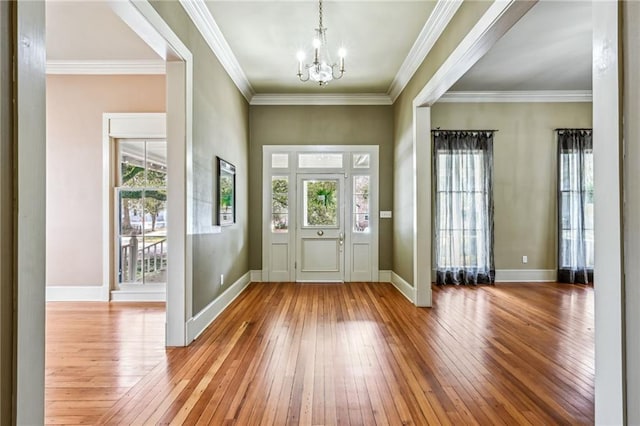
[
  {"x": 265, "y": 36},
  {"x": 548, "y": 49}
]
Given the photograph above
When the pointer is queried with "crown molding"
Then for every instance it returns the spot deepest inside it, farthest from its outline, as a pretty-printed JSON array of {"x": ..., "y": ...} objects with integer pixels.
[
  {"x": 106, "y": 67},
  {"x": 434, "y": 27},
  {"x": 518, "y": 96},
  {"x": 204, "y": 22},
  {"x": 321, "y": 99}
]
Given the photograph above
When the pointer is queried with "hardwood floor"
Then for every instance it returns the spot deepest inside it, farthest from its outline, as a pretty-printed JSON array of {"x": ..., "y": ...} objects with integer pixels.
[{"x": 357, "y": 353}]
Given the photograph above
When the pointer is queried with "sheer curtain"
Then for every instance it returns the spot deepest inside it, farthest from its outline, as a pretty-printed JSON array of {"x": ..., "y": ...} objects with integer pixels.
[
  {"x": 575, "y": 205},
  {"x": 464, "y": 207}
]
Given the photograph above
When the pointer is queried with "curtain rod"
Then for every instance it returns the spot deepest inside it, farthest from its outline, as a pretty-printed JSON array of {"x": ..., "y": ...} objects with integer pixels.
[
  {"x": 465, "y": 130},
  {"x": 563, "y": 129}
]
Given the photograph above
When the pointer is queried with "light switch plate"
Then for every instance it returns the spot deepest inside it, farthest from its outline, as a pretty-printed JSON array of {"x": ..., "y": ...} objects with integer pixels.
[{"x": 385, "y": 214}]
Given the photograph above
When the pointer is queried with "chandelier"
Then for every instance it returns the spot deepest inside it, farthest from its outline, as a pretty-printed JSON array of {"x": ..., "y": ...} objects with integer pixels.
[{"x": 321, "y": 70}]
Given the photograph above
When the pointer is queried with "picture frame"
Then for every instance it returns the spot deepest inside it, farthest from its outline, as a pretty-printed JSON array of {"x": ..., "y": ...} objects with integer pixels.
[{"x": 225, "y": 193}]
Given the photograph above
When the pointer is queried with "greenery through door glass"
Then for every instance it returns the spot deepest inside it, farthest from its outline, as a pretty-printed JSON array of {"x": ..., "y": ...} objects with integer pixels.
[
  {"x": 279, "y": 203},
  {"x": 321, "y": 199}
]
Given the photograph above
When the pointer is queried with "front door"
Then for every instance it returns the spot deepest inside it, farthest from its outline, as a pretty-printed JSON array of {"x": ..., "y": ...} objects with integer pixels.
[{"x": 320, "y": 227}]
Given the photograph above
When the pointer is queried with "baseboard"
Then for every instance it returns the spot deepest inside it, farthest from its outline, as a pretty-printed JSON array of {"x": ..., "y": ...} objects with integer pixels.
[
  {"x": 526, "y": 275},
  {"x": 201, "y": 321},
  {"x": 403, "y": 287},
  {"x": 384, "y": 276},
  {"x": 89, "y": 293},
  {"x": 256, "y": 276},
  {"x": 138, "y": 296}
]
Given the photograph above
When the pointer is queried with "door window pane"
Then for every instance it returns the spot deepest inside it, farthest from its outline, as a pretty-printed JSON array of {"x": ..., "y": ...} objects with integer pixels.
[
  {"x": 361, "y": 203},
  {"x": 154, "y": 248},
  {"x": 142, "y": 163},
  {"x": 361, "y": 161},
  {"x": 320, "y": 198},
  {"x": 279, "y": 161},
  {"x": 318, "y": 160},
  {"x": 279, "y": 204}
]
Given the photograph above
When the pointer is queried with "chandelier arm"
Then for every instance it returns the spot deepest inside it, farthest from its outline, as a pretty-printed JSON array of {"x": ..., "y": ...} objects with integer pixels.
[
  {"x": 333, "y": 72},
  {"x": 304, "y": 79}
]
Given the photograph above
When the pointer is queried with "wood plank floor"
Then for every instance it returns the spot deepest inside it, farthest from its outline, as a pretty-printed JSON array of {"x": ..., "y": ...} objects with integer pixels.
[{"x": 323, "y": 354}]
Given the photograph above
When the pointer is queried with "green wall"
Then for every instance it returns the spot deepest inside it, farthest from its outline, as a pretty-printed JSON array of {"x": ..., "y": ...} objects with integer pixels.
[
  {"x": 321, "y": 125},
  {"x": 524, "y": 174},
  {"x": 220, "y": 128}
]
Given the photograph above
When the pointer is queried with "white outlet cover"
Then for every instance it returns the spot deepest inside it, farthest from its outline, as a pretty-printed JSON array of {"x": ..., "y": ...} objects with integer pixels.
[{"x": 385, "y": 214}]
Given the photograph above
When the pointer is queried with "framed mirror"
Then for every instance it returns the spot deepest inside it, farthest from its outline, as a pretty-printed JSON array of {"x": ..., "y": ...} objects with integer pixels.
[{"x": 226, "y": 196}]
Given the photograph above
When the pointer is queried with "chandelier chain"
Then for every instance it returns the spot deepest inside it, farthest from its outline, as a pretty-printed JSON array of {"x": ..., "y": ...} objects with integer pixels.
[{"x": 320, "y": 14}]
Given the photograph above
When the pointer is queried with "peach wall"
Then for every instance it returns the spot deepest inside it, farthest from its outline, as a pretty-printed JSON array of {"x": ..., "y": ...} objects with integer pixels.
[{"x": 75, "y": 104}]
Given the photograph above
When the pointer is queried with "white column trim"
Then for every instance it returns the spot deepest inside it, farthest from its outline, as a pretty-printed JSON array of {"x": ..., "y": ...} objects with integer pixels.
[
  {"x": 422, "y": 206},
  {"x": 610, "y": 394}
]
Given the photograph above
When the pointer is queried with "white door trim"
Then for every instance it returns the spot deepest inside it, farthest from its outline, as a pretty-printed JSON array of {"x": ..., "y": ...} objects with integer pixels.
[{"x": 287, "y": 241}]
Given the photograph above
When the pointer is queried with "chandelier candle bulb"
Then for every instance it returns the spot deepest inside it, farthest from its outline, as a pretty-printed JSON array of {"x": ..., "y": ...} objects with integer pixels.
[{"x": 300, "y": 56}]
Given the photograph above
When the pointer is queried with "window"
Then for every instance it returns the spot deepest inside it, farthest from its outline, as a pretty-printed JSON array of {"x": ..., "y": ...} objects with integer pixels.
[
  {"x": 320, "y": 202},
  {"x": 141, "y": 200},
  {"x": 318, "y": 160},
  {"x": 279, "y": 161},
  {"x": 575, "y": 206},
  {"x": 464, "y": 207},
  {"x": 361, "y": 161},
  {"x": 279, "y": 204},
  {"x": 361, "y": 204}
]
